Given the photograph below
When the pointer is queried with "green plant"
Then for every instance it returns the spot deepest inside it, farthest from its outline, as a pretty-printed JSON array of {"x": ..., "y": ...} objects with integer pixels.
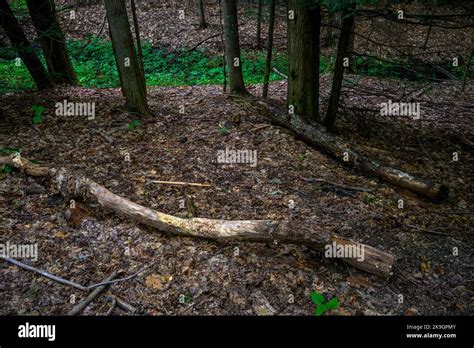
[
  {"x": 134, "y": 124},
  {"x": 321, "y": 306},
  {"x": 6, "y": 168},
  {"x": 38, "y": 109},
  {"x": 223, "y": 130}
]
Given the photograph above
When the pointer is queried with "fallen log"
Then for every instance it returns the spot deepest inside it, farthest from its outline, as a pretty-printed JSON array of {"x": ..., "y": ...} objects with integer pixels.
[
  {"x": 339, "y": 149},
  {"x": 280, "y": 231}
]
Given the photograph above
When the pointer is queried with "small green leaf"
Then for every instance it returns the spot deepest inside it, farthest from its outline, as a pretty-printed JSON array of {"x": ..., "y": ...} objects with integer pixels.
[
  {"x": 333, "y": 304},
  {"x": 317, "y": 298},
  {"x": 320, "y": 309}
]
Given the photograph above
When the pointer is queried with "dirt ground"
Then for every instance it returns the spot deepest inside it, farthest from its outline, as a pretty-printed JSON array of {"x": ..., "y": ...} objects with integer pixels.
[{"x": 212, "y": 277}]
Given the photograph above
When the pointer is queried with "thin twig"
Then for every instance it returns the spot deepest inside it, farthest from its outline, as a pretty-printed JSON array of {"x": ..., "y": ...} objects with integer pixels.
[
  {"x": 344, "y": 187},
  {"x": 427, "y": 230},
  {"x": 112, "y": 306},
  {"x": 201, "y": 42},
  {"x": 80, "y": 306},
  {"x": 279, "y": 73},
  {"x": 122, "y": 304},
  {"x": 181, "y": 183},
  {"x": 119, "y": 280},
  {"x": 44, "y": 273}
]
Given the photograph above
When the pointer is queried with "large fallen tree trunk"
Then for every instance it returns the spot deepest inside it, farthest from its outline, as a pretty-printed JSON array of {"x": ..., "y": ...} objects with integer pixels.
[
  {"x": 372, "y": 260},
  {"x": 336, "y": 147}
]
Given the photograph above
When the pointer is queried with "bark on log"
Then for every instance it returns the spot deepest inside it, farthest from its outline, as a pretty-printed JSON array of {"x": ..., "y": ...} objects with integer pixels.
[
  {"x": 336, "y": 147},
  {"x": 374, "y": 261}
]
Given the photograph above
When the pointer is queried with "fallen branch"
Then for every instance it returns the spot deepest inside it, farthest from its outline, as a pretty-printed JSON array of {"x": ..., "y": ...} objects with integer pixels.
[
  {"x": 282, "y": 231},
  {"x": 80, "y": 306},
  {"x": 68, "y": 282},
  {"x": 43, "y": 273},
  {"x": 337, "y": 148}
]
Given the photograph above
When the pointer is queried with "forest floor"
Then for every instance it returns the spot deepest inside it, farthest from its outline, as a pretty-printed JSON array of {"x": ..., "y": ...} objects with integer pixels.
[{"x": 261, "y": 279}]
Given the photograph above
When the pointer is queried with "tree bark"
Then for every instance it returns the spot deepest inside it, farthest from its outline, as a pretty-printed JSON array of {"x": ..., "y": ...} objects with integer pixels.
[
  {"x": 303, "y": 59},
  {"x": 337, "y": 148},
  {"x": 268, "y": 61},
  {"x": 232, "y": 47},
  {"x": 23, "y": 47},
  {"x": 43, "y": 15},
  {"x": 342, "y": 49},
  {"x": 280, "y": 231},
  {"x": 137, "y": 36},
  {"x": 201, "y": 14},
  {"x": 131, "y": 76},
  {"x": 259, "y": 24}
]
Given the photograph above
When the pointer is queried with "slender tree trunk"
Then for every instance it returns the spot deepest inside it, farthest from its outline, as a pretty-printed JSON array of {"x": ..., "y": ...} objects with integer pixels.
[
  {"x": 232, "y": 48},
  {"x": 304, "y": 23},
  {"x": 224, "y": 72},
  {"x": 259, "y": 24},
  {"x": 53, "y": 42},
  {"x": 466, "y": 72},
  {"x": 350, "y": 49},
  {"x": 201, "y": 14},
  {"x": 23, "y": 47},
  {"x": 268, "y": 61},
  {"x": 137, "y": 36},
  {"x": 131, "y": 76},
  {"x": 343, "y": 44}
]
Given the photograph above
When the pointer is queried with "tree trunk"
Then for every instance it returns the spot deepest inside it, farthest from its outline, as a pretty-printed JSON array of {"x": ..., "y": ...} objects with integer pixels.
[
  {"x": 259, "y": 24},
  {"x": 352, "y": 69},
  {"x": 131, "y": 76},
  {"x": 201, "y": 14},
  {"x": 280, "y": 231},
  {"x": 53, "y": 42},
  {"x": 268, "y": 61},
  {"x": 232, "y": 48},
  {"x": 339, "y": 149},
  {"x": 23, "y": 47},
  {"x": 137, "y": 36},
  {"x": 303, "y": 59},
  {"x": 342, "y": 49}
]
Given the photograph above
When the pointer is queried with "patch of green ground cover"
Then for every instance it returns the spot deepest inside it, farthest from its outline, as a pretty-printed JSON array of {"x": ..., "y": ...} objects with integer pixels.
[{"x": 94, "y": 64}]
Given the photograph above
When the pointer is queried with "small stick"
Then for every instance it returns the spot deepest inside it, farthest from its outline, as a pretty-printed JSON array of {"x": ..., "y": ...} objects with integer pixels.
[
  {"x": 260, "y": 127},
  {"x": 110, "y": 281},
  {"x": 122, "y": 304},
  {"x": 44, "y": 273},
  {"x": 112, "y": 306},
  {"x": 279, "y": 73},
  {"x": 427, "y": 231},
  {"x": 180, "y": 183},
  {"x": 79, "y": 307},
  {"x": 353, "y": 188}
]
